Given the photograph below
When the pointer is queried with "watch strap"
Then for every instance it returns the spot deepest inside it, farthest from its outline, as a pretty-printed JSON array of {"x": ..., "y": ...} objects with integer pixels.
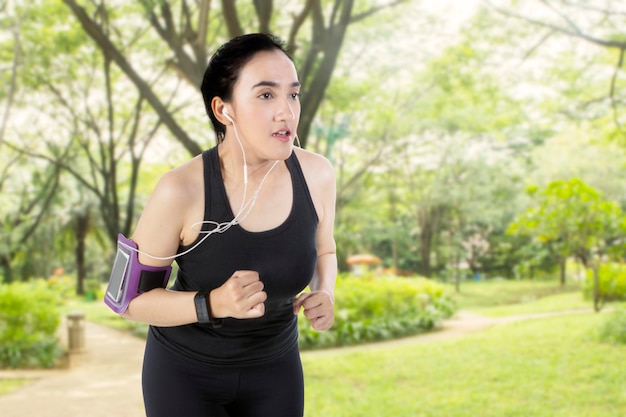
[{"x": 203, "y": 309}]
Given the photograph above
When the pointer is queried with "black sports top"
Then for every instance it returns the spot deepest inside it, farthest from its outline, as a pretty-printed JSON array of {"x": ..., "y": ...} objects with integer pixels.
[{"x": 285, "y": 258}]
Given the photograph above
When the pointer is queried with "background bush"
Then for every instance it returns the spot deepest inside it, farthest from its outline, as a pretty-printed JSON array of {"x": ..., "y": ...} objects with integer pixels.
[
  {"x": 29, "y": 318},
  {"x": 614, "y": 328},
  {"x": 612, "y": 277},
  {"x": 378, "y": 308}
]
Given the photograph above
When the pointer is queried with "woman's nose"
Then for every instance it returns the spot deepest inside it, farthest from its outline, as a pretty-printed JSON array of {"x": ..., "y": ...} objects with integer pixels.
[{"x": 285, "y": 112}]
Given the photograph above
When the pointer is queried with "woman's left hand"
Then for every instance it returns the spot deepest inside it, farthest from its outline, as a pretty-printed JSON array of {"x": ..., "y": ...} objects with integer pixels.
[{"x": 319, "y": 308}]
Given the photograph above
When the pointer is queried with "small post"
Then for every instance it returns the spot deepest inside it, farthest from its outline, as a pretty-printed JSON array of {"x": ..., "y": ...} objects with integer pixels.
[{"x": 76, "y": 331}]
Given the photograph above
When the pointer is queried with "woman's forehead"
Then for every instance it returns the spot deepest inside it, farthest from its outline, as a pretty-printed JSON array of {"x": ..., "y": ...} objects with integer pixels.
[{"x": 271, "y": 68}]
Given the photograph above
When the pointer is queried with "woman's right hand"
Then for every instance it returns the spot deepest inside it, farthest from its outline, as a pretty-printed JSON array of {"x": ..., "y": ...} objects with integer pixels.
[{"x": 241, "y": 297}]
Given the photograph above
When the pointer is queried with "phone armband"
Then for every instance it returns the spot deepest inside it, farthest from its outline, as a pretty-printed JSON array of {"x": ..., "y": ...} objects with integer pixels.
[{"x": 129, "y": 278}]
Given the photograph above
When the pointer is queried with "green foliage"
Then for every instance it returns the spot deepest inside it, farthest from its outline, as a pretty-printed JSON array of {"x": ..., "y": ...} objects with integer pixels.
[
  {"x": 612, "y": 285},
  {"x": 63, "y": 285},
  {"x": 570, "y": 217},
  {"x": 29, "y": 317},
  {"x": 614, "y": 328},
  {"x": 379, "y": 308},
  {"x": 94, "y": 290}
]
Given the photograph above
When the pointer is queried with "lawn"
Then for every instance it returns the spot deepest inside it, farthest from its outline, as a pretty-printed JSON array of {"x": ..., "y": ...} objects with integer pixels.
[
  {"x": 505, "y": 298},
  {"x": 550, "y": 367}
]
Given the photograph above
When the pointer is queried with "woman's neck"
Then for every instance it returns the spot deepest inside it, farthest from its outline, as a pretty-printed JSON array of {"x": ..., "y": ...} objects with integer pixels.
[{"x": 232, "y": 160}]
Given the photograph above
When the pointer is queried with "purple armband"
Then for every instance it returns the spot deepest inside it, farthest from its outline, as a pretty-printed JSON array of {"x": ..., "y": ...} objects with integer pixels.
[{"x": 129, "y": 278}]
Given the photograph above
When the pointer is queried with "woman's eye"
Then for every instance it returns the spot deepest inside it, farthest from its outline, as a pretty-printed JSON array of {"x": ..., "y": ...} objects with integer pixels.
[
  {"x": 295, "y": 96},
  {"x": 266, "y": 96}
]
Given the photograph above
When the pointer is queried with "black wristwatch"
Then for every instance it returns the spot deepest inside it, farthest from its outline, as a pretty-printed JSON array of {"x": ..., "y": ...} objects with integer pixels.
[{"x": 203, "y": 309}]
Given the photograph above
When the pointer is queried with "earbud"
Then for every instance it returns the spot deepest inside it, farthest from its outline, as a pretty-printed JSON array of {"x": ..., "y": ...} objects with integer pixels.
[{"x": 226, "y": 115}]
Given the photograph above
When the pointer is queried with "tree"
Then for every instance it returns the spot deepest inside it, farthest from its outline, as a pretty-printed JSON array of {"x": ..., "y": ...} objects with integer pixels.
[
  {"x": 189, "y": 33},
  {"x": 8, "y": 75},
  {"x": 25, "y": 204},
  {"x": 576, "y": 151},
  {"x": 571, "y": 219},
  {"x": 423, "y": 128},
  {"x": 102, "y": 129},
  {"x": 457, "y": 103},
  {"x": 595, "y": 88},
  {"x": 29, "y": 206}
]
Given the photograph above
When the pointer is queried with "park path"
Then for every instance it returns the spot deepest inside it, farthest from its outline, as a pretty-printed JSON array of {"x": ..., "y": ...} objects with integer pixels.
[{"x": 104, "y": 379}]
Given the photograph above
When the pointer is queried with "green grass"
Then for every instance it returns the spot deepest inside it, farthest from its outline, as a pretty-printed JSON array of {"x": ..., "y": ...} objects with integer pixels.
[
  {"x": 543, "y": 368},
  {"x": 557, "y": 302},
  {"x": 8, "y": 385},
  {"x": 487, "y": 294}
]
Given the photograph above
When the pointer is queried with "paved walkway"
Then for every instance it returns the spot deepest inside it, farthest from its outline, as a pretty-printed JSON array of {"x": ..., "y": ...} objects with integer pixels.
[{"x": 105, "y": 379}]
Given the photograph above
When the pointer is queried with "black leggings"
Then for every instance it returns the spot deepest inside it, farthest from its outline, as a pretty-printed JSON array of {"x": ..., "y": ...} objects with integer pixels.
[{"x": 175, "y": 386}]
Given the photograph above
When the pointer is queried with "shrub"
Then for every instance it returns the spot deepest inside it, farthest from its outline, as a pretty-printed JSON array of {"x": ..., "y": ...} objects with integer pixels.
[
  {"x": 371, "y": 309},
  {"x": 614, "y": 328},
  {"x": 29, "y": 318},
  {"x": 612, "y": 278},
  {"x": 63, "y": 285},
  {"x": 93, "y": 290}
]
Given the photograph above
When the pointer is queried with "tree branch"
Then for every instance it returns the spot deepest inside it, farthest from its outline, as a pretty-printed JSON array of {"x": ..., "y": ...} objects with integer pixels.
[
  {"x": 298, "y": 21},
  {"x": 231, "y": 18},
  {"x": 573, "y": 31},
  {"x": 374, "y": 10},
  {"x": 12, "y": 84},
  {"x": 96, "y": 33},
  {"x": 264, "y": 10},
  {"x": 614, "y": 103}
]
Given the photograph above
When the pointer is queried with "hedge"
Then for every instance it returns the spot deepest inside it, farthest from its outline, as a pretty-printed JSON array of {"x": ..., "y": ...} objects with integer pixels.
[
  {"x": 612, "y": 278},
  {"x": 29, "y": 318},
  {"x": 373, "y": 308}
]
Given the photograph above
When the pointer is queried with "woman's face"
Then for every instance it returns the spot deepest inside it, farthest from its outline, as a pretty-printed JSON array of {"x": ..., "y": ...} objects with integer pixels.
[{"x": 266, "y": 105}]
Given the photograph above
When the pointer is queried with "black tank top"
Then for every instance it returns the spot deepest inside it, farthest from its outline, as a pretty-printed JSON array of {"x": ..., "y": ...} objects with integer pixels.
[{"x": 285, "y": 258}]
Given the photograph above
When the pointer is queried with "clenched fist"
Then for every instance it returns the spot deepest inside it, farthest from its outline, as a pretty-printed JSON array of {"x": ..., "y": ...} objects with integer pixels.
[
  {"x": 319, "y": 308},
  {"x": 241, "y": 297}
]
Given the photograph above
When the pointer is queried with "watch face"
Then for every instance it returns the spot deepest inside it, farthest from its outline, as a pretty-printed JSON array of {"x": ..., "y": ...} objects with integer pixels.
[{"x": 202, "y": 310}]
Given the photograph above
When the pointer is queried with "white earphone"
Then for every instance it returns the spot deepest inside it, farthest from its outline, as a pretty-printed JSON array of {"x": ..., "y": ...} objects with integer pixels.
[{"x": 226, "y": 115}]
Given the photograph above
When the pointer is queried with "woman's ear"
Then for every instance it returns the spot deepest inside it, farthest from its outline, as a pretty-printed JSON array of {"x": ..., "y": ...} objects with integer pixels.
[{"x": 219, "y": 110}]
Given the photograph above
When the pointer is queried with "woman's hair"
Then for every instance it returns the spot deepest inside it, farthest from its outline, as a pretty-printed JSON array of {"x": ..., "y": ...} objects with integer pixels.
[{"x": 224, "y": 66}]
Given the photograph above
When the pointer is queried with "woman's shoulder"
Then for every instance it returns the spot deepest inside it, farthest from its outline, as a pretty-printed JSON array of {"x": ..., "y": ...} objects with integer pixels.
[
  {"x": 174, "y": 200},
  {"x": 314, "y": 165},
  {"x": 320, "y": 178},
  {"x": 181, "y": 183}
]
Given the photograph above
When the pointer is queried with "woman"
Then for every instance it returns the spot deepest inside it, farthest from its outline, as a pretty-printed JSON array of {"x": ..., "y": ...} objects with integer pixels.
[{"x": 223, "y": 339}]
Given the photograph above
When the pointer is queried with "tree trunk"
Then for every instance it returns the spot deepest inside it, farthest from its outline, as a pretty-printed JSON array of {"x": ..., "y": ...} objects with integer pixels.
[
  {"x": 429, "y": 224},
  {"x": 597, "y": 299},
  {"x": 425, "y": 244},
  {"x": 562, "y": 266},
  {"x": 5, "y": 261},
  {"x": 457, "y": 274},
  {"x": 82, "y": 228},
  {"x": 316, "y": 85},
  {"x": 393, "y": 218}
]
